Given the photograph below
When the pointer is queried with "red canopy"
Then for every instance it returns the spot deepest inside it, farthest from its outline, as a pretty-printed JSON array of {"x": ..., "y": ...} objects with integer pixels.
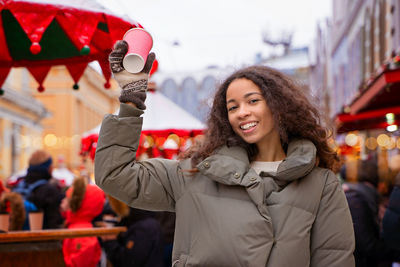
[
  {"x": 38, "y": 34},
  {"x": 167, "y": 129},
  {"x": 368, "y": 110}
]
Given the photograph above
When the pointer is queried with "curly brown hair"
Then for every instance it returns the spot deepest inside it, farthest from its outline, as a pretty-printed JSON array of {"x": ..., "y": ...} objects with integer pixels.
[
  {"x": 293, "y": 113},
  {"x": 78, "y": 193}
]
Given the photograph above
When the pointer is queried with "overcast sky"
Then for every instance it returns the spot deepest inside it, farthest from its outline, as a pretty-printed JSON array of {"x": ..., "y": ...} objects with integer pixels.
[{"x": 193, "y": 34}]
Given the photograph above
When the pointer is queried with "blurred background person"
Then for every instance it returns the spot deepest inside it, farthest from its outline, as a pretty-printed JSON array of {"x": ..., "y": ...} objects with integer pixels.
[
  {"x": 36, "y": 188},
  {"x": 62, "y": 174},
  {"x": 83, "y": 202},
  {"x": 141, "y": 245},
  {"x": 167, "y": 222},
  {"x": 391, "y": 219},
  {"x": 364, "y": 200},
  {"x": 13, "y": 204}
]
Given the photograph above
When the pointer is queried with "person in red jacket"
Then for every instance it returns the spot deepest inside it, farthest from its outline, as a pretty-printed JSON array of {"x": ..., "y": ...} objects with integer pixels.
[{"x": 82, "y": 204}]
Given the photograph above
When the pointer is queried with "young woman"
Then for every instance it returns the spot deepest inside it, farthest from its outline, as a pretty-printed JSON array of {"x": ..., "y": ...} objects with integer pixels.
[{"x": 256, "y": 192}]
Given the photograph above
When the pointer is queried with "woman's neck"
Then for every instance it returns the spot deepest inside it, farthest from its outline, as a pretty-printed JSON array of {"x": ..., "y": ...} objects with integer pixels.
[{"x": 272, "y": 152}]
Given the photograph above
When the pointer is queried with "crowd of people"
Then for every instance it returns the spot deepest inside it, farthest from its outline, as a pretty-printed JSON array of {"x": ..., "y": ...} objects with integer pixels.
[
  {"x": 376, "y": 243},
  {"x": 260, "y": 189},
  {"x": 148, "y": 240},
  {"x": 85, "y": 205}
]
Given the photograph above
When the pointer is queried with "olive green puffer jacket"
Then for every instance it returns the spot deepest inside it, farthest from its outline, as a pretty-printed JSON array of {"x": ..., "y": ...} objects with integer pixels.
[{"x": 227, "y": 214}]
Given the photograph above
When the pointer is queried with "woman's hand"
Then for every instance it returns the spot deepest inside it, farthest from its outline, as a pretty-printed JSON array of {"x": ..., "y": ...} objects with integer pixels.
[
  {"x": 133, "y": 85},
  {"x": 64, "y": 206}
]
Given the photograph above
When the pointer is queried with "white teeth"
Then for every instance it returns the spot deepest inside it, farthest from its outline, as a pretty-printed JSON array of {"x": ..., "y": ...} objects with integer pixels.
[{"x": 248, "y": 125}]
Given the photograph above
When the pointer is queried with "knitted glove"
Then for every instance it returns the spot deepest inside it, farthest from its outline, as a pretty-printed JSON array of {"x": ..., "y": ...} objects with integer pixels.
[{"x": 134, "y": 85}]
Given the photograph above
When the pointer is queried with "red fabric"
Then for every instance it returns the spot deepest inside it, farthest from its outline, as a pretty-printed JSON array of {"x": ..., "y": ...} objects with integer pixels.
[
  {"x": 81, "y": 252},
  {"x": 3, "y": 188},
  {"x": 170, "y": 153},
  {"x": 5, "y": 54},
  {"x": 84, "y": 251},
  {"x": 117, "y": 27},
  {"x": 79, "y": 25},
  {"x": 89, "y": 143},
  {"x": 92, "y": 205},
  {"x": 101, "y": 41},
  {"x": 33, "y": 18},
  {"x": 105, "y": 68},
  {"x": 76, "y": 70},
  {"x": 39, "y": 73},
  {"x": 154, "y": 67}
]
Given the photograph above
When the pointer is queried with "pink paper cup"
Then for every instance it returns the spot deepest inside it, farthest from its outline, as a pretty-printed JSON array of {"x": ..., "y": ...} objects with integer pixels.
[
  {"x": 140, "y": 43},
  {"x": 35, "y": 220}
]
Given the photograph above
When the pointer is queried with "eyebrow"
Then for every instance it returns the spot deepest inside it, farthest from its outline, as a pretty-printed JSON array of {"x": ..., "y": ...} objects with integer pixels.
[{"x": 245, "y": 96}]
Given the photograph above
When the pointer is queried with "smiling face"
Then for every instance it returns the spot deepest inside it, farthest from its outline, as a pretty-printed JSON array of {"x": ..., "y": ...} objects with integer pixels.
[{"x": 249, "y": 114}]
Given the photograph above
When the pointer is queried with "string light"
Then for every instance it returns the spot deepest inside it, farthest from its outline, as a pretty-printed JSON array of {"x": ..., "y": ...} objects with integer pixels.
[
  {"x": 392, "y": 128},
  {"x": 389, "y": 118}
]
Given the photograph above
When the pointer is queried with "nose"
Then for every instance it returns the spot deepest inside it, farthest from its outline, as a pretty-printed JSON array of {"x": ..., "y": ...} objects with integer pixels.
[{"x": 243, "y": 111}]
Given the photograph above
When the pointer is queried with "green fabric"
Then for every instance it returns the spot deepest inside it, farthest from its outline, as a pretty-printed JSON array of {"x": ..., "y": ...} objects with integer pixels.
[{"x": 55, "y": 43}]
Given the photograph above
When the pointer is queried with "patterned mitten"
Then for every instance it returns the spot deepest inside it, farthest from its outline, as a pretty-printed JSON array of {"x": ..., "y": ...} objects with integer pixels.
[{"x": 134, "y": 85}]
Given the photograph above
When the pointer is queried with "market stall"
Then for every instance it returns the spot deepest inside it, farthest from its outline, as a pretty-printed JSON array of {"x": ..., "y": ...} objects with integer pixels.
[{"x": 167, "y": 130}]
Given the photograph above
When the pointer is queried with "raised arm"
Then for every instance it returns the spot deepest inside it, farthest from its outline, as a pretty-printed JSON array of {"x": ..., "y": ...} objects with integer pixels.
[{"x": 150, "y": 184}]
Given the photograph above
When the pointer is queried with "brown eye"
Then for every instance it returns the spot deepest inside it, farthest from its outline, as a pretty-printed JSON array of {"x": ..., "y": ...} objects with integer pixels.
[
  {"x": 232, "y": 108},
  {"x": 252, "y": 101}
]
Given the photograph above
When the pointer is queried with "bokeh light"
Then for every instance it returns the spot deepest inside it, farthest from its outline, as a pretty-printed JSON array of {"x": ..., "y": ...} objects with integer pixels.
[
  {"x": 383, "y": 140},
  {"x": 50, "y": 140},
  {"x": 351, "y": 139},
  {"x": 371, "y": 143},
  {"x": 392, "y": 128},
  {"x": 392, "y": 143}
]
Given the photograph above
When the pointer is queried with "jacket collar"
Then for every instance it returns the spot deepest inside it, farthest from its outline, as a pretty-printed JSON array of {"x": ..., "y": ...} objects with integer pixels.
[
  {"x": 230, "y": 162},
  {"x": 230, "y": 166}
]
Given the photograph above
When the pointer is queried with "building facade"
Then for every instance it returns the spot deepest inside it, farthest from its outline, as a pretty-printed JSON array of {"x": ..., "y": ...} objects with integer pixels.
[
  {"x": 194, "y": 91},
  {"x": 53, "y": 120},
  {"x": 362, "y": 83},
  {"x": 21, "y": 115}
]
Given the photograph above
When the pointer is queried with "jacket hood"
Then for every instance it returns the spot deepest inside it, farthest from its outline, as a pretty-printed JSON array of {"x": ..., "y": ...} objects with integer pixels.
[{"x": 92, "y": 205}]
